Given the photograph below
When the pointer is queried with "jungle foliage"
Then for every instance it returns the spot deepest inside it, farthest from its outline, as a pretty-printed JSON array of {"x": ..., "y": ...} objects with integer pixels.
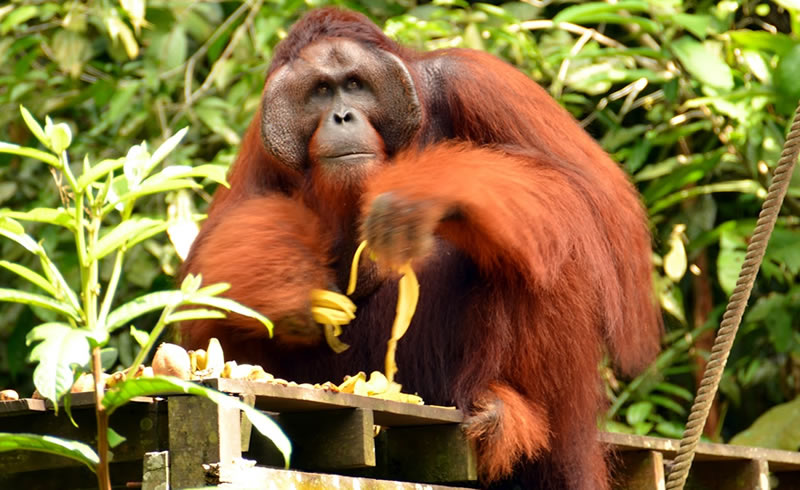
[{"x": 693, "y": 98}]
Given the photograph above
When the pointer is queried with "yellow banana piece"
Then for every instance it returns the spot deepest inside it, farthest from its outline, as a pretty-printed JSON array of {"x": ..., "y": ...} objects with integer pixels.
[
  {"x": 407, "y": 297},
  {"x": 330, "y": 315},
  {"x": 351, "y": 284},
  {"x": 330, "y": 299},
  {"x": 332, "y": 333}
]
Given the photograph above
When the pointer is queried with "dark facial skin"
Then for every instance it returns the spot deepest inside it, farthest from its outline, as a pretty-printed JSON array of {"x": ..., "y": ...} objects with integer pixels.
[{"x": 339, "y": 104}]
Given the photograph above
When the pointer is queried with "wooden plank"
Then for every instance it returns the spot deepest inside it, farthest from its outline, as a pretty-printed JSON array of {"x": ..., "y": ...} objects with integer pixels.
[
  {"x": 143, "y": 425},
  {"x": 330, "y": 440},
  {"x": 23, "y": 405},
  {"x": 79, "y": 400},
  {"x": 778, "y": 460},
  {"x": 155, "y": 471},
  {"x": 278, "y": 398},
  {"x": 123, "y": 475},
  {"x": 242, "y": 475},
  {"x": 728, "y": 475},
  {"x": 200, "y": 432},
  {"x": 429, "y": 454},
  {"x": 639, "y": 470},
  {"x": 785, "y": 480},
  {"x": 246, "y": 426}
]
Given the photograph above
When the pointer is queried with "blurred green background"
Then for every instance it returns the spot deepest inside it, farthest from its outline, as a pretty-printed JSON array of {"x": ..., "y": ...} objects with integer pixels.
[{"x": 692, "y": 98}]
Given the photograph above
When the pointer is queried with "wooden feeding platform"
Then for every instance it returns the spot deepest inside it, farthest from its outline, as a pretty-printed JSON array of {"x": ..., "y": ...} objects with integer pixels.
[{"x": 181, "y": 441}]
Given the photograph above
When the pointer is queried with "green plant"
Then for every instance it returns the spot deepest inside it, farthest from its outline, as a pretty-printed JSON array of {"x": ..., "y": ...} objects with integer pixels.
[{"x": 99, "y": 210}]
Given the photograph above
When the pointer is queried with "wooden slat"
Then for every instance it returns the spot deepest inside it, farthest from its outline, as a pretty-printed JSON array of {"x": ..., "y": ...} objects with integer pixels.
[
  {"x": 785, "y": 480},
  {"x": 429, "y": 454},
  {"x": 239, "y": 476},
  {"x": 639, "y": 470},
  {"x": 330, "y": 440},
  {"x": 278, "y": 398},
  {"x": 200, "y": 432},
  {"x": 728, "y": 475},
  {"x": 79, "y": 400},
  {"x": 143, "y": 425},
  {"x": 778, "y": 460},
  {"x": 155, "y": 471},
  {"x": 22, "y": 405}
]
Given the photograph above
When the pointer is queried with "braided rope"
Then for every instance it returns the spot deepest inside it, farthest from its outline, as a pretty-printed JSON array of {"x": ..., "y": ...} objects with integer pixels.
[{"x": 736, "y": 305}]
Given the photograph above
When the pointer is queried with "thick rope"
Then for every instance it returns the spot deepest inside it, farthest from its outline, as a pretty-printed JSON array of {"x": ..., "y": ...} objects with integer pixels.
[{"x": 736, "y": 305}]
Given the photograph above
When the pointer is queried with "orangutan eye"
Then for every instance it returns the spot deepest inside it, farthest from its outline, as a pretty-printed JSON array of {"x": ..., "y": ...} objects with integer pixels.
[
  {"x": 323, "y": 89},
  {"x": 353, "y": 84}
]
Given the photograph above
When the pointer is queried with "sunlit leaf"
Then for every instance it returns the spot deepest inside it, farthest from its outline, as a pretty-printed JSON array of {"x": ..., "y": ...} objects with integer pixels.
[
  {"x": 60, "y": 347},
  {"x": 638, "y": 412},
  {"x": 675, "y": 261},
  {"x": 701, "y": 62},
  {"x": 143, "y": 304},
  {"x": 777, "y": 428},
  {"x": 127, "y": 234},
  {"x": 125, "y": 391},
  {"x": 53, "y": 216},
  {"x": 33, "y": 299},
  {"x": 30, "y": 275},
  {"x": 24, "y": 151},
  {"x": 75, "y": 450}
]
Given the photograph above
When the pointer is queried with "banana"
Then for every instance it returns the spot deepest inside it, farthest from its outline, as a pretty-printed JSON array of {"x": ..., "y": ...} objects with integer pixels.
[{"x": 330, "y": 299}]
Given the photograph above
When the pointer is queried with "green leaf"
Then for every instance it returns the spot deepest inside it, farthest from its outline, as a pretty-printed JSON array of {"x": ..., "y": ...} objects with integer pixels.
[
  {"x": 671, "y": 300},
  {"x": 165, "y": 149},
  {"x": 787, "y": 73},
  {"x": 781, "y": 333},
  {"x": 108, "y": 357},
  {"x": 60, "y": 136},
  {"x": 789, "y": 4},
  {"x": 114, "y": 438},
  {"x": 15, "y": 231},
  {"x": 33, "y": 125},
  {"x": 33, "y": 299},
  {"x": 741, "y": 186},
  {"x": 675, "y": 390},
  {"x": 159, "y": 385},
  {"x": 771, "y": 42},
  {"x": 667, "y": 403},
  {"x": 146, "y": 188},
  {"x": 53, "y": 216},
  {"x": 19, "y": 15},
  {"x": 730, "y": 260},
  {"x": 591, "y": 11},
  {"x": 213, "y": 289},
  {"x": 140, "y": 336},
  {"x": 673, "y": 430},
  {"x": 675, "y": 261},
  {"x": 127, "y": 234},
  {"x": 194, "y": 314},
  {"x": 638, "y": 412},
  {"x": 49, "y": 444},
  {"x": 60, "y": 348},
  {"x": 230, "y": 305},
  {"x": 31, "y": 276},
  {"x": 99, "y": 171},
  {"x": 24, "y": 151},
  {"x": 702, "y": 63},
  {"x": 141, "y": 305},
  {"x": 777, "y": 428},
  {"x": 214, "y": 172},
  {"x": 696, "y": 24}
]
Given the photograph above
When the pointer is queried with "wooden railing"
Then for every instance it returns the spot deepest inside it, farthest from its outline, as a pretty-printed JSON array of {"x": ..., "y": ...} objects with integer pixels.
[{"x": 186, "y": 441}]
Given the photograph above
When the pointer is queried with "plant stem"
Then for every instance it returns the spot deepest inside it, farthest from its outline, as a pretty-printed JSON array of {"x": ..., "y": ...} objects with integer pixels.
[
  {"x": 151, "y": 340},
  {"x": 103, "y": 475},
  {"x": 113, "y": 282}
]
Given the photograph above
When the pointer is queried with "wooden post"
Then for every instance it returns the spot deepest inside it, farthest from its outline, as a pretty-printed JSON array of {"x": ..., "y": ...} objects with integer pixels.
[{"x": 200, "y": 432}]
